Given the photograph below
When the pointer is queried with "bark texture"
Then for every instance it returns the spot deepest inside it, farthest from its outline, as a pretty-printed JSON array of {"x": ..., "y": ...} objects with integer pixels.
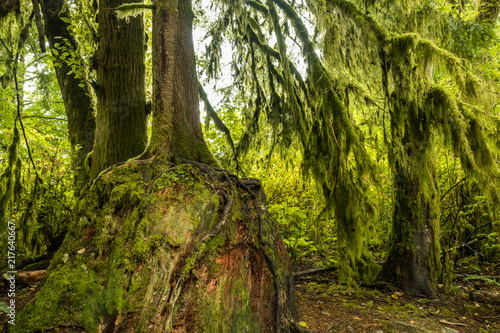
[
  {"x": 77, "y": 93},
  {"x": 413, "y": 263},
  {"x": 121, "y": 131},
  {"x": 176, "y": 115}
]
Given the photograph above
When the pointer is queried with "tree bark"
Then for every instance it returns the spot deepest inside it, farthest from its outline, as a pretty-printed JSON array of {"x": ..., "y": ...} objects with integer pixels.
[
  {"x": 121, "y": 131},
  {"x": 413, "y": 263},
  {"x": 76, "y": 93},
  {"x": 488, "y": 11},
  {"x": 176, "y": 115}
]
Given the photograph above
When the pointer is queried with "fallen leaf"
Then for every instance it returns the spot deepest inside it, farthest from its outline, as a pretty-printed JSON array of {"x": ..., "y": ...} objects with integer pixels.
[
  {"x": 398, "y": 293},
  {"x": 443, "y": 321},
  {"x": 378, "y": 307},
  {"x": 80, "y": 251},
  {"x": 326, "y": 313},
  {"x": 438, "y": 310},
  {"x": 357, "y": 318},
  {"x": 394, "y": 296},
  {"x": 440, "y": 286},
  {"x": 303, "y": 324}
]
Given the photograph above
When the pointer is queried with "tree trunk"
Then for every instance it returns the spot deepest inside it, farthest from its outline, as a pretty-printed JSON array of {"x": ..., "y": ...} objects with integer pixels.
[
  {"x": 413, "y": 263},
  {"x": 176, "y": 115},
  {"x": 161, "y": 248},
  {"x": 167, "y": 250},
  {"x": 121, "y": 131},
  {"x": 76, "y": 93}
]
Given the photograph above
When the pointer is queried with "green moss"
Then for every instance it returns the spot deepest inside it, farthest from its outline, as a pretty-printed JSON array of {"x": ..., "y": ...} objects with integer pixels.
[{"x": 71, "y": 294}]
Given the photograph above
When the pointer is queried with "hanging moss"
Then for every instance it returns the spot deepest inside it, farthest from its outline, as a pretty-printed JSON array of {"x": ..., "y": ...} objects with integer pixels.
[
  {"x": 10, "y": 179},
  {"x": 128, "y": 10}
]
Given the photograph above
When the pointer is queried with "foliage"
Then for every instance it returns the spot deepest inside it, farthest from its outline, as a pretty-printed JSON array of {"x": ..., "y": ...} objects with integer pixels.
[{"x": 322, "y": 96}]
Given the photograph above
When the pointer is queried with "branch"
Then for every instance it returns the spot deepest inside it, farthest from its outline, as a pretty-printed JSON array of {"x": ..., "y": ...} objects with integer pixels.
[
  {"x": 39, "y": 26},
  {"x": 22, "y": 39},
  {"x": 44, "y": 117},
  {"x": 314, "y": 271},
  {"x": 219, "y": 124},
  {"x": 451, "y": 188},
  {"x": 465, "y": 244}
]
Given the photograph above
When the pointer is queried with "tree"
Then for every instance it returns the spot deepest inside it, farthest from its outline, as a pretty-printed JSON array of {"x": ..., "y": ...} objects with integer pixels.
[
  {"x": 158, "y": 246},
  {"x": 121, "y": 131},
  {"x": 76, "y": 91},
  {"x": 419, "y": 108}
]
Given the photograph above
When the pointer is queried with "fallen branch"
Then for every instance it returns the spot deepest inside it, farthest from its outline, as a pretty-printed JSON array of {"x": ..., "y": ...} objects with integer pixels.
[
  {"x": 30, "y": 277},
  {"x": 478, "y": 277},
  {"x": 444, "y": 321},
  {"x": 485, "y": 296},
  {"x": 314, "y": 271},
  {"x": 464, "y": 244}
]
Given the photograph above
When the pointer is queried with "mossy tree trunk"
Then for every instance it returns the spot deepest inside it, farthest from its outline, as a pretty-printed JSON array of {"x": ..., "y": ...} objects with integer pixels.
[
  {"x": 159, "y": 247},
  {"x": 77, "y": 93},
  {"x": 121, "y": 131},
  {"x": 176, "y": 116},
  {"x": 413, "y": 263},
  {"x": 167, "y": 250}
]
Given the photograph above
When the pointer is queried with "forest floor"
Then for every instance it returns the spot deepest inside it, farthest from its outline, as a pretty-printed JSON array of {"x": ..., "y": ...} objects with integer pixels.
[{"x": 325, "y": 307}]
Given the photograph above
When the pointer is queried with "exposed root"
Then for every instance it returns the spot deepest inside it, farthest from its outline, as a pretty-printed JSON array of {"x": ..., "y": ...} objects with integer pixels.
[
  {"x": 274, "y": 272},
  {"x": 210, "y": 170},
  {"x": 225, "y": 215}
]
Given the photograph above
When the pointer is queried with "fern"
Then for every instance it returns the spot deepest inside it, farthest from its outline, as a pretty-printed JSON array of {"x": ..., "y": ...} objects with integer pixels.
[{"x": 484, "y": 279}]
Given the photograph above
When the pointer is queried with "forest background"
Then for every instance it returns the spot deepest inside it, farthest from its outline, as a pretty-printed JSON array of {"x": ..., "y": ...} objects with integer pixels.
[{"x": 422, "y": 109}]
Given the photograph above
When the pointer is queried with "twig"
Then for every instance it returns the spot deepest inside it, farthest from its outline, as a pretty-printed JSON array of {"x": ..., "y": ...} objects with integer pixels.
[
  {"x": 484, "y": 225},
  {"x": 451, "y": 188},
  {"x": 464, "y": 244},
  {"x": 334, "y": 133},
  {"x": 44, "y": 117}
]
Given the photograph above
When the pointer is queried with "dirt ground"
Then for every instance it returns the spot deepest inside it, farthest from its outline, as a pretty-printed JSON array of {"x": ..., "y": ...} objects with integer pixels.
[{"x": 326, "y": 307}]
